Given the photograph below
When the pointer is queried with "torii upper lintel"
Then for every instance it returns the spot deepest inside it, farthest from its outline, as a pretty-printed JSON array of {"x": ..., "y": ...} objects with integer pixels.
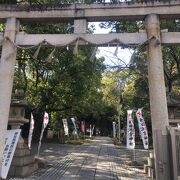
[{"x": 91, "y": 12}]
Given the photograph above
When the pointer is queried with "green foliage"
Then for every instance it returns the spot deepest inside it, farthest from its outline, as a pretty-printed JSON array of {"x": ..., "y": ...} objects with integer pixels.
[
  {"x": 8, "y": 1},
  {"x": 172, "y": 60},
  {"x": 2, "y": 27},
  {"x": 135, "y": 93},
  {"x": 66, "y": 85}
]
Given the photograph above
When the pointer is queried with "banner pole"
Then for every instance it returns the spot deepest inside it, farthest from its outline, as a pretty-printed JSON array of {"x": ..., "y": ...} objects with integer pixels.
[
  {"x": 39, "y": 146},
  {"x": 31, "y": 129},
  {"x": 44, "y": 125},
  {"x": 90, "y": 131},
  {"x": 134, "y": 155}
]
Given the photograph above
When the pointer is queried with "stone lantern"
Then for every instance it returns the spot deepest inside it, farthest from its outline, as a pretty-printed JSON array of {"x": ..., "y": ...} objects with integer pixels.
[
  {"x": 17, "y": 110},
  {"x": 173, "y": 111},
  {"x": 23, "y": 163}
]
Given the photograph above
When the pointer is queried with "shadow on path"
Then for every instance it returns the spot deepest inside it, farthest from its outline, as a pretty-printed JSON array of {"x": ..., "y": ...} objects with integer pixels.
[{"x": 97, "y": 160}]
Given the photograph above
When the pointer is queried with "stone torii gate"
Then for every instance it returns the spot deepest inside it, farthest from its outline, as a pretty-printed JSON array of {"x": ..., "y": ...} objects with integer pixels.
[{"x": 151, "y": 13}]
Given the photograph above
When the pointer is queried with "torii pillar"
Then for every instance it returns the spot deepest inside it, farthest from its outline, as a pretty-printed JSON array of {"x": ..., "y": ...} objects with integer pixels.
[
  {"x": 158, "y": 102},
  {"x": 7, "y": 63}
]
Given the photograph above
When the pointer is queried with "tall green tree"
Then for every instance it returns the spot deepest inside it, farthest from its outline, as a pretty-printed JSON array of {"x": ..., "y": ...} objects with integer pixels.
[{"x": 65, "y": 84}]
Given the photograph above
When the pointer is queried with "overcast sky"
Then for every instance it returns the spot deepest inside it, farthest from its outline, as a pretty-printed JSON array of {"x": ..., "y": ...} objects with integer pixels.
[{"x": 108, "y": 52}]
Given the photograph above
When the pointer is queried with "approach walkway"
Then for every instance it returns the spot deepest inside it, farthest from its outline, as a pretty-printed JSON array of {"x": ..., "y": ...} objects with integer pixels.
[{"x": 97, "y": 160}]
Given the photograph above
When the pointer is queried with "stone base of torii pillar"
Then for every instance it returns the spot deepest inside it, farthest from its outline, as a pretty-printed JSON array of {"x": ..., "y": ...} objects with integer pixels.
[{"x": 23, "y": 163}]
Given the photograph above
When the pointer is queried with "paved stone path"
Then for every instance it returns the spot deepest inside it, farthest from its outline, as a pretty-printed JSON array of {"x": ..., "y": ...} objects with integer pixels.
[{"x": 97, "y": 160}]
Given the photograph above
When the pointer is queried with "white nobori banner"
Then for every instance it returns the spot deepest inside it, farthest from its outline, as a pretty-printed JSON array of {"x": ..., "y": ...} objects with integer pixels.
[
  {"x": 130, "y": 141},
  {"x": 45, "y": 120},
  {"x": 31, "y": 129},
  {"x": 11, "y": 140},
  {"x": 114, "y": 129},
  {"x": 142, "y": 128},
  {"x": 66, "y": 129},
  {"x": 75, "y": 127},
  {"x": 44, "y": 125}
]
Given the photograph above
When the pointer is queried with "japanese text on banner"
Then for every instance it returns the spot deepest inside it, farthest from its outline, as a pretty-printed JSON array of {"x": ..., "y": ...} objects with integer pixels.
[{"x": 130, "y": 141}]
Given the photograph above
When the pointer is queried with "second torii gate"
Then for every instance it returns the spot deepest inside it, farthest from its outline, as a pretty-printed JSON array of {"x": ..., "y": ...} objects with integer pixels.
[{"x": 81, "y": 14}]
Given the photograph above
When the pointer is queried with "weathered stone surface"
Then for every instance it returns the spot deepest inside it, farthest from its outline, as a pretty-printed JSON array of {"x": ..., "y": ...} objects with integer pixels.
[
  {"x": 21, "y": 161},
  {"x": 22, "y": 152},
  {"x": 26, "y": 170},
  {"x": 94, "y": 12},
  {"x": 42, "y": 163}
]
